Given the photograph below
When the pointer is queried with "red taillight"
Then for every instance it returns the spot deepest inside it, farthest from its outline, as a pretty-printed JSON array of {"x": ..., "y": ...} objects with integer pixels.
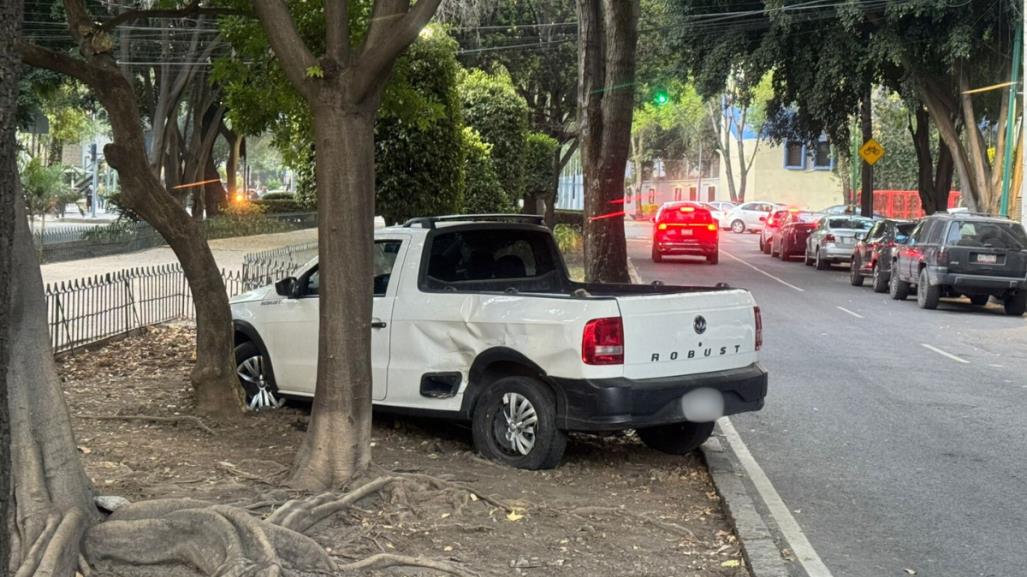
[
  {"x": 828, "y": 238},
  {"x": 603, "y": 342},
  {"x": 711, "y": 227},
  {"x": 662, "y": 226},
  {"x": 759, "y": 327}
]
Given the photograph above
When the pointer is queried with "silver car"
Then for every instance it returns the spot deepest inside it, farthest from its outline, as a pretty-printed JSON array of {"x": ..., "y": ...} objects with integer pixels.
[{"x": 834, "y": 239}]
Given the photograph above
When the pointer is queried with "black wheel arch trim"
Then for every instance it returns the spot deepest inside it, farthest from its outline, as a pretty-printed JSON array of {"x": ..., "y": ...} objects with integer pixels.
[
  {"x": 478, "y": 379},
  {"x": 250, "y": 333}
]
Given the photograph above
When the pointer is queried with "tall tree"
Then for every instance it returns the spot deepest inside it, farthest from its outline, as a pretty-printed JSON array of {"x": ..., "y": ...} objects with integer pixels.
[
  {"x": 343, "y": 88},
  {"x": 10, "y": 69},
  {"x": 214, "y": 381},
  {"x": 608, "y": 35}
]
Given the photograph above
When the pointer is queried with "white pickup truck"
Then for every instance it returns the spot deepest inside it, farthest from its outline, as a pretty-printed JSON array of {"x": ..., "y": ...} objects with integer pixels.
[{"x": 475, "y": 318}]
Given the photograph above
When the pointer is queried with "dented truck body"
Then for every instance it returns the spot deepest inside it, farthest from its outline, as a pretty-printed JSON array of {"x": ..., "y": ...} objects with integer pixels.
[{"x": 459, "y": 306}]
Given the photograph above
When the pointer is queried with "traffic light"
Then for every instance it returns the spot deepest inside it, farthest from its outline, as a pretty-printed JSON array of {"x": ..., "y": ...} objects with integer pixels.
[{"x": 660, "y": 96}]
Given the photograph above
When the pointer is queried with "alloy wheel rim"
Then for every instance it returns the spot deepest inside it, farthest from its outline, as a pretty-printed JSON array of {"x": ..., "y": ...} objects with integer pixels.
[
  {"x": 518, "y": 424},
  {"x": 251, "y": 371}
]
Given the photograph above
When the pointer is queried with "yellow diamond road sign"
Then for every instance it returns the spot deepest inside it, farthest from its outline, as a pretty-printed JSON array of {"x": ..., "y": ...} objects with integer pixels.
[{"x": 871, "y": 151}]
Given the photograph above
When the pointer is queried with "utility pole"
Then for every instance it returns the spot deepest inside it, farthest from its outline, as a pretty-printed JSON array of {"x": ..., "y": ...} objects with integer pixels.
[
  {"x": 95, "y": 183},
  {"x": 698, "y": 184},
  {"x": 1023, "y": 136},
  {"x": 1007, "y": 161},
  {"x": 866, "y": 122}
]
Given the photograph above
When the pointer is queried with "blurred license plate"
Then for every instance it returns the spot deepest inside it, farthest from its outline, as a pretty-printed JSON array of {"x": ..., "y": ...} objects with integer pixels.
[
  {"x": 686, "y": 232},
  {"x": 987, "y": 258}
]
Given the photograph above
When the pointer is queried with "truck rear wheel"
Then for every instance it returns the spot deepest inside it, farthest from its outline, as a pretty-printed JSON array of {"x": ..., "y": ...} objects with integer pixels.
[
  {"x": 514, "y": 423},
  {"x": 676, "y": 438},
  {"x": 1016, "y": 304}
]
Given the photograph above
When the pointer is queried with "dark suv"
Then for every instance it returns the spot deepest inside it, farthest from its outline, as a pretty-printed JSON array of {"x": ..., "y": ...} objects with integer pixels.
[
  {"x": 873, "y": 255},
  {"x": 976, "y": 256}
]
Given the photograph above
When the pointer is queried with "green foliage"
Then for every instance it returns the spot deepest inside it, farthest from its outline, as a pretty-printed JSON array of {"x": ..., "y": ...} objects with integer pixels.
[
  {"x": 278, "y": 196},
  {"x": 483, "y": 192},
  {"x": 539, "y": 152},
  {"x": 493, "y": 108},
  {"x": 419, "y": 165},
  {"x": 280, "y": 206},
  {"x": 42, "y": 186},
  {"x": 568, "y": 238},
  {"x": 897, "y": 170}
]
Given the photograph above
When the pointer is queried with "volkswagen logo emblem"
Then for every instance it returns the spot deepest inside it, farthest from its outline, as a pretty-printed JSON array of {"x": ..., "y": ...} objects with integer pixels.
[{"x": 700, "y": 324}]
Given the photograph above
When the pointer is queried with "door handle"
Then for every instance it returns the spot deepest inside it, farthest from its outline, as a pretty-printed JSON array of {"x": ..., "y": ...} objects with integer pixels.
[{"x": 378, "y": 324}]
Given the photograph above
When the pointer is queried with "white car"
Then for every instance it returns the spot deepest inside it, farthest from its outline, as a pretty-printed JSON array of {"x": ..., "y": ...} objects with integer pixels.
[
  {"x": 749, "y": 216},
  {"x": 475, "y": 318}
]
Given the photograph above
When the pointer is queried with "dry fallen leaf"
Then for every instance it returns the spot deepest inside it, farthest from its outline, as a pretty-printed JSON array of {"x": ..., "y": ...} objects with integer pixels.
[
  {"x": 731, "y": 563},
  {"x": 514, "y": 516},
  {"x": 910, "y": 571}
]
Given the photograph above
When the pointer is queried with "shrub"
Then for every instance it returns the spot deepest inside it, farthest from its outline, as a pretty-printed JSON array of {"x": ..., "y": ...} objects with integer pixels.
[
  {"x": 568, "y": 238},
  {"x": 279, "y": 206},
  {"x": 278, "y": 196},
  {"x": 482, "y": 191}
]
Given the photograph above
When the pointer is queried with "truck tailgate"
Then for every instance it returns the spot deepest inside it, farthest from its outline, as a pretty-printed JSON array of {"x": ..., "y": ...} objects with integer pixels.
[{"x": 689, "y": 332}]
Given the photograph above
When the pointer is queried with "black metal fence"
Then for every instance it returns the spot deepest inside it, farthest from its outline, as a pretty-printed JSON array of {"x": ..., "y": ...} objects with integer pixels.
[
  {"x": 88, "y": 310},
  {"x": 70, "y": 243}
]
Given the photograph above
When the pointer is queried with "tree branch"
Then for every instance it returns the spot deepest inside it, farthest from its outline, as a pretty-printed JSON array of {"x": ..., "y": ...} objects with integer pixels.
[
  {"x": 387, "y": 38},
  {"x": 337, "y": 31},
  {"x": 39, "y": 57},
  {"x": 192, "y": 9},
  {"x": 287, "y": 44}
]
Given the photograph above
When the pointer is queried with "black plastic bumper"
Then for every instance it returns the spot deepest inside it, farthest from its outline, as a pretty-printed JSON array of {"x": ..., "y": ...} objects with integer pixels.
[{"x": 614, "y": 404}]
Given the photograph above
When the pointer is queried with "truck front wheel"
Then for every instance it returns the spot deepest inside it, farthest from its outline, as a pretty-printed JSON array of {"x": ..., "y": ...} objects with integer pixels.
[
  {"x": 515, "y": 423},
  {"x": 676, "y": 438}
]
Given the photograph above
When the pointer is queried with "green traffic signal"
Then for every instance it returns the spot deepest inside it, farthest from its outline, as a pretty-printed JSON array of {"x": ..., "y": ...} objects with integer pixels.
[{"x": 660, "y": 97}]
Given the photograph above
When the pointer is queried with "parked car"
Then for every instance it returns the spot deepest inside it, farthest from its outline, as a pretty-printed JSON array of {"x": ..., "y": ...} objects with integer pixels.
[
  {"x": 773, "y": 223},
  {"x": 873, "y": 253},
  {"x": 853, "y": 209},
  {"x": 963, "y": 254},
  {"x": 685, "y": 228},
  {"x": 790, "y": 239},
  {"x": 834, "y": 239},
  {"x": 720, "y": 210},
  {"x": 749, "y": 216},
  {"x": 475, "y": 318}
]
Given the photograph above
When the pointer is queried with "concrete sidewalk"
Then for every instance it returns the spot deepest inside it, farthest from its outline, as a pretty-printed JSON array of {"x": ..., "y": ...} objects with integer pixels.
[{"x": 228, "y": 252}]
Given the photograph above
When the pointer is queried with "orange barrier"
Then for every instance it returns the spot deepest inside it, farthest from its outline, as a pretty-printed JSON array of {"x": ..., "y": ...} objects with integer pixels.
[{"x": 903, "y": 204}]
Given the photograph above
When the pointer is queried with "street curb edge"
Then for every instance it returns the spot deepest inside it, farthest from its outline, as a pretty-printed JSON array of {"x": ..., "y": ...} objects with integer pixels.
[{"x": 761, "y": 552}]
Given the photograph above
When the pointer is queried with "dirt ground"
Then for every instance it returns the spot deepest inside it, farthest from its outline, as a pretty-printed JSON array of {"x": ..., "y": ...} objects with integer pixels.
[{"x": 614, "y": 508}]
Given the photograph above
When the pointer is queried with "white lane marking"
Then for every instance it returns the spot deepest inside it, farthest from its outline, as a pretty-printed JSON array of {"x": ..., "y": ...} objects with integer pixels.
[
  {"x": 944, "y": 354},
  {"x": 763, "y": 272},
  {"x": 789, "y": 527},
  {"x": 847, "y": 311}
]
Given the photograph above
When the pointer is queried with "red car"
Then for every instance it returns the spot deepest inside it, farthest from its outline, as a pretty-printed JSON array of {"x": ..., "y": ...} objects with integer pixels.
[
  {"x": 791, "y": 236},
  {"x": 685, "y": 228},
  {"x": 771, "y": 225}
]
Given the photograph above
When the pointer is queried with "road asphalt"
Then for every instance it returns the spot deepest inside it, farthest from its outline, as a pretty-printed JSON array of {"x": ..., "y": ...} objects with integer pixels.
[{"x": 896, "y": 436}]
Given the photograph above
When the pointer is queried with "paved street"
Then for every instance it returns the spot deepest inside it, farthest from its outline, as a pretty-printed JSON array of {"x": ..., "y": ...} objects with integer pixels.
[{"x": 896, "y": 436}]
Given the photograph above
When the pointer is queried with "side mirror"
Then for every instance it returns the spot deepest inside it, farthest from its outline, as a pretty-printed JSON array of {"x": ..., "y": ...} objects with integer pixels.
[
  {"x": 286, "y": 287},
  {"x": 652, "y": 219}
]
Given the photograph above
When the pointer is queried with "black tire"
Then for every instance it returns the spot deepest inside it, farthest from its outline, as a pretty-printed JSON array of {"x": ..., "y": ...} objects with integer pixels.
[
  {"x": 657, "y": 255},
  {"x": 1016, "y": 304},
  {"x": 488, "y": 424},
  {"x": 855, "y": 277},
  {"x": 676, "y": 438},
  {"x": 979, "y": 300},
  {"x": 805, "y": 257},
  {"x": 821, "y": 262},
  {"x": 738, "y": 227},
  {"x": 713, "y": 257},
  {"x": 249, "y": 362},
  {"x": 926, "y": 295},
  {"x": 763, "y": 245},
  {"x": 880, "y": 279},
  {"x": 782, "y": 253},
  {"x": 897, "y": 289}
]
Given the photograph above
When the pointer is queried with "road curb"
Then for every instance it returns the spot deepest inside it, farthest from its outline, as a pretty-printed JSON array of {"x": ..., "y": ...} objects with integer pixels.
[
  {"x": 761, "y": 552},
  {"x": 633, "y": 273}
]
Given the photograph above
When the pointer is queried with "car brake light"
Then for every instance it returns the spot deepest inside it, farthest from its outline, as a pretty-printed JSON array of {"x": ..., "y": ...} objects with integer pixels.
[
  {"x": 603, "y": 342},
  {"x": 711, "y": 227},
  {"x": 662, "y": 226},
  {"x": 829, "y": 238},
  {"x": 759, "y": 327},
  {"x": 687, "y": 209}
]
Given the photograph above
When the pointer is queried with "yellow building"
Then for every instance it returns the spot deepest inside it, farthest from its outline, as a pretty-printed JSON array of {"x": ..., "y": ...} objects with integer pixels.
[{"x": 790, "y": 173}]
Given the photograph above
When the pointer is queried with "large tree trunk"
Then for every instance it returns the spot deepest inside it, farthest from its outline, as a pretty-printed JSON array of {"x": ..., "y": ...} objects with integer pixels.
[
  {"x": 943, "y": 112},
  {"x": 10, "y": 69},
  {"x": 943, "y": 177},
  {"x": 608, "y": 31},
  {"x": 338, "y": 440},
  {"x": 52, "y": 495},
  {"x": 235, "y": 143},
  {"x": 921, "y": 135},
  {"x": 216, "y": 197},
  {"x": 719, "y": 121}
]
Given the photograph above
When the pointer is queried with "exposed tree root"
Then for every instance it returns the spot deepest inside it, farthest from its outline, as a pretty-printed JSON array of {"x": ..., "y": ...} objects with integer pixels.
[
  {"x": 196, "y": 421},
  {"x": 55, "y": 551},
  {"x": 442, "y": 484},
  {"x": 302, "y": 514},
  {"x": 384, "y": 560}
]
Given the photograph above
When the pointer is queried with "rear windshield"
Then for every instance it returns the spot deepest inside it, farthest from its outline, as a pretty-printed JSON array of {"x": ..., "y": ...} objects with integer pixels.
[
  {"x": 987, "y": 234},
  {"x": 852, "y": 223},
  {"x": 686, "y": 214},
  {"x": 493, "y": 260},
  {"x": 903, "y": 230},
  {"x": 805, "y": 217}
]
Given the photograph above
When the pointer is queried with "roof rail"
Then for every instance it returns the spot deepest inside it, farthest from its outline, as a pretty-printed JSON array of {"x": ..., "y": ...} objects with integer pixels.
[{"x": 430, "y": 221}]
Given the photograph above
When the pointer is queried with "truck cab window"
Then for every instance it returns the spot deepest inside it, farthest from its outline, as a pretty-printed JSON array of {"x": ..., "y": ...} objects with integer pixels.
[{"x": 492, "y": 260}]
